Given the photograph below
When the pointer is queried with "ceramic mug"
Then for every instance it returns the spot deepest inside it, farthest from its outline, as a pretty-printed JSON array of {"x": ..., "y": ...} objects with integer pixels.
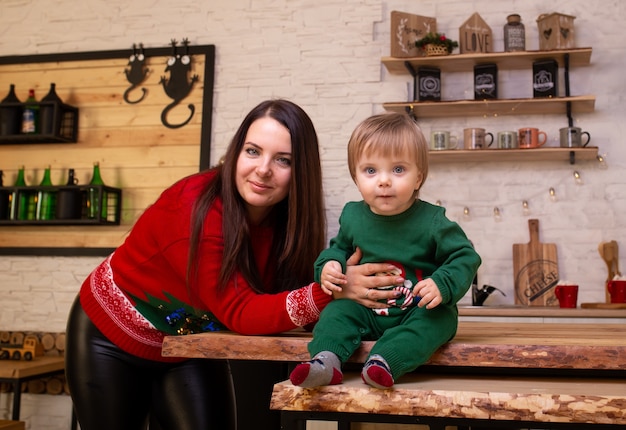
[
  {"x": 441, "y": 140},
  {"x": 531, "y": 137},
  {"x": 572, "y": 137},
  {"x": 617, "y": 291},
  {"x": 476, "y": 138},
  {"x": 567, "y": 295},
  {"x": 507, "y": 140}
]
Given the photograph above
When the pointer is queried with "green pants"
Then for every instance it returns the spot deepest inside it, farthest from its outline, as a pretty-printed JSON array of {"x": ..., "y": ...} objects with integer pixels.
[{"x": 405, "y": 339}]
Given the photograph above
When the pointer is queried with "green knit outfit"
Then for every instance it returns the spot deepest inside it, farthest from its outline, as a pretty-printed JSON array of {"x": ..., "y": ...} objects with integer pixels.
[{"x": 423, "y": 243}]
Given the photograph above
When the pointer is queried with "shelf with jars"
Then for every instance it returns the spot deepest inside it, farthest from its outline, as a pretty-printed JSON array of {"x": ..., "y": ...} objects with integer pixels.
[
  {"x": 46, "y": 121},
  {"x": 494, "y": 107},
  {"x": 70, "y": 204}
]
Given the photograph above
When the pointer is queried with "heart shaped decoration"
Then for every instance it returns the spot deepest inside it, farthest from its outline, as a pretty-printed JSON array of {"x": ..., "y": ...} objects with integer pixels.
[
  {"x": 547, "y": 33},
  {"x": 565, "y": 32}
]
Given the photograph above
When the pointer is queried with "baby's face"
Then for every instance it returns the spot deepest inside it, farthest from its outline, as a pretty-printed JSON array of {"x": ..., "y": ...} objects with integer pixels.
[{"x": 388, "y": 184}]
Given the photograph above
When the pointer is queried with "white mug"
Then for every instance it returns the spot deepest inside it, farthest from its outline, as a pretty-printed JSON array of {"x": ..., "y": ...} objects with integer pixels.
[{"x": 442, "y": 140}]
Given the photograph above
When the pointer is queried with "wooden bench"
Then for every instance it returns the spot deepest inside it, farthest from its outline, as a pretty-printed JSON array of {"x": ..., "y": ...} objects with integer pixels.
[
  {"x": 505, "y": 374},
  {"x": 12, "y": 425},
  {"x": 440, "y": 400}
]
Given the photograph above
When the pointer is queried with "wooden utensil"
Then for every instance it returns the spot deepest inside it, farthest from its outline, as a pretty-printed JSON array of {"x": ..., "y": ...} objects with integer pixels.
[
  {"x": 535, "y": 270},
  {"x": 609, "y": 252}
]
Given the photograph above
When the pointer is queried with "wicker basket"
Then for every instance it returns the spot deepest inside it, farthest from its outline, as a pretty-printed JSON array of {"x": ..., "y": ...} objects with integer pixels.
[{"x": 433, "y": 50}]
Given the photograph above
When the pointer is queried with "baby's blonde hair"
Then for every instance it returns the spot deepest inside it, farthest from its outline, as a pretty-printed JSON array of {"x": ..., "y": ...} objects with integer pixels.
[{"x": 386, "y": 135}]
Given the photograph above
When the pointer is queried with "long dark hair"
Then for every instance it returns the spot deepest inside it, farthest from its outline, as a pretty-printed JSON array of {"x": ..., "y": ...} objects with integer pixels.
[{"x": 299, "y": 220}]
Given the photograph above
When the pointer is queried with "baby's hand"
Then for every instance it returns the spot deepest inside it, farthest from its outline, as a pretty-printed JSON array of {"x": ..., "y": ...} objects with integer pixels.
[
  {"x": 429, "y": 293},
  {"x": 332, "y": 278}
]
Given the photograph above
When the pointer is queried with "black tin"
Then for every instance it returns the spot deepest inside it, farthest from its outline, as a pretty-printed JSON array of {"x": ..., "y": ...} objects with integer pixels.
[
  {"x": 545, "y": 78},
  {"x": 429, "y": 84},
  {"x": 485, "y": 81}
]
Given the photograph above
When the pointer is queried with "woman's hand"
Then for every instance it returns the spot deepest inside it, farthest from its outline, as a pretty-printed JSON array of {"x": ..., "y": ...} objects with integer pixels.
[{"x": 361, "y": 285}]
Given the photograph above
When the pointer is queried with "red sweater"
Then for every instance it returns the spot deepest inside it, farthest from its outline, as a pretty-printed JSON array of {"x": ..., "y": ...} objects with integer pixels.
[{"x": 139, "y": 293}]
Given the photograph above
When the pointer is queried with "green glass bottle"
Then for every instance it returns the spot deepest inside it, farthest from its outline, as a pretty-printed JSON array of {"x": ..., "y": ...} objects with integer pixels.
[
  {"x": 22, "y": 201},
  {"x": 46, "y": 198},
  {"x": 5, "y": 200},
  {"x": 97, "y": 198},
  {"x": 30, "y": 116}
]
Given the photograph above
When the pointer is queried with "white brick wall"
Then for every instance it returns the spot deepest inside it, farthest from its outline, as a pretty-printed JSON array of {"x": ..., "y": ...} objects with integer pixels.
[{"x": 325, "y": 55}]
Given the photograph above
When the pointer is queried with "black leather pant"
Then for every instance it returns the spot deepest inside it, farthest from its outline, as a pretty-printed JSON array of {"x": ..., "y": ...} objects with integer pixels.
[{"x": 113, "y": 390}]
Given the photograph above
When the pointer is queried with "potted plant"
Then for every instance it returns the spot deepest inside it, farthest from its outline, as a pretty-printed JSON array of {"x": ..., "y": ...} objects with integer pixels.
[{"x": 436, "y": 44}]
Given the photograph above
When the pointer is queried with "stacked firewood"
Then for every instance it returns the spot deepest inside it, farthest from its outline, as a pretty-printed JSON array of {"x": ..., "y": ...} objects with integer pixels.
[{"x": 53, "y": 345}]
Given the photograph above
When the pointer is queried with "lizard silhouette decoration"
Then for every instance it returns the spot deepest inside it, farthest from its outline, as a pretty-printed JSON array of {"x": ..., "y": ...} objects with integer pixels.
[
  {"x": 136, "y": 73},
  {"x": 178, "y": 86}
]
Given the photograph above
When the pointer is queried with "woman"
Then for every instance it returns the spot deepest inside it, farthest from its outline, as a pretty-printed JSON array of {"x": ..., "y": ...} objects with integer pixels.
[{"x": 222, "y": 249}]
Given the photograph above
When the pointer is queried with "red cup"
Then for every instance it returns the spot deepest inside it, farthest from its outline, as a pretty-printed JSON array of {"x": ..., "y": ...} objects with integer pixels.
[
  {"x": 617, "y": 290},
  {"x": 567, "y": 295}
]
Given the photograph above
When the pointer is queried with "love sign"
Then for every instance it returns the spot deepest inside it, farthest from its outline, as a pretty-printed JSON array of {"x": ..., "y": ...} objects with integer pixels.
[{"x": 475, "y": 36}]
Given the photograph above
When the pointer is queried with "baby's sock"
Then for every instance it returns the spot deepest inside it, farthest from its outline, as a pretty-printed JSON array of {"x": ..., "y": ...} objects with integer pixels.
[
  {"x": 323, "y": 369},
  {"x": 377, "y": 373}
]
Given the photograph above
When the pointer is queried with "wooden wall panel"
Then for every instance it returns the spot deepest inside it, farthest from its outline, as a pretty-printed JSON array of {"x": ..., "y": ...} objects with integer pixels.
[{"x": 135, "y": 150}]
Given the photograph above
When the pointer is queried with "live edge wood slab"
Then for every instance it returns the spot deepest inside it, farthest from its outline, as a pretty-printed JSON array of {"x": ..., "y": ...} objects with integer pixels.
[
  {"x": 477, "y": 344},
  {"x": 503, "y": 377},
  {"x": 503, "y": 398}
]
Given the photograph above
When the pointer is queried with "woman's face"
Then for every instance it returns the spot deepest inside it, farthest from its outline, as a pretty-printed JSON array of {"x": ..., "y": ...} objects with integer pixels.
[{"x": 264, "y": 167}]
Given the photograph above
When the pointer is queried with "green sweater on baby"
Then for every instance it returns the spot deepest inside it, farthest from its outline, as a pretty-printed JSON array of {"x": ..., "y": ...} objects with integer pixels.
[{"x": 421, "y": 241}]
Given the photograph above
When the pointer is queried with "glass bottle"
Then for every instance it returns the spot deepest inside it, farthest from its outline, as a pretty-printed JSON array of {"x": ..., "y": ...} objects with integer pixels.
[
  {"x": 49, "y": 105},
  {"x": 46, "y": 198},
  {"x": 22, "y": 201},
  {"x": 5, "y": 199},
  {"x": 514, "y": 34},
  {"x": 10, "y": 114},
  {"x": 30, "y": 116},
  {"x": 96, "y": 199}
]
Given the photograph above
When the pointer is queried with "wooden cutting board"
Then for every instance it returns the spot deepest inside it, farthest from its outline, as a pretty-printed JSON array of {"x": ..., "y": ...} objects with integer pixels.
[{"x": 535, "y": 270}]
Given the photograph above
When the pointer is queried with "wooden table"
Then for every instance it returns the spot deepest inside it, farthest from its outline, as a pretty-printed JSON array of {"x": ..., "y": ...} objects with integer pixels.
[
  {"x": 17, "y": 371},
  {"x": 477, "y": 344},
  {"x": 571, "y": 375}
]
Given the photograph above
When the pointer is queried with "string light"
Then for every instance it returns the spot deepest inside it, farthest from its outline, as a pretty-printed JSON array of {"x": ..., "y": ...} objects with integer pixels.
[
  {"x": 499, "y": 210},
  {"x": 496, "y": 214},
  {"x": 577, "y": 179},
  {"x": 466, "y": 214},
  {"x": 552, "y": 195}
]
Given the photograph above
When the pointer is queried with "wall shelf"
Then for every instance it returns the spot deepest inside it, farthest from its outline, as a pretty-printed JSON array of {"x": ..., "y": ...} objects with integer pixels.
[
  {"x": 506, "y": 60},
  {"x": 63, "y": 124},
  {"x": 108, "y": 211},
  {"x": 535, "y": 154},
  {"x": 496, "y": 107}
]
